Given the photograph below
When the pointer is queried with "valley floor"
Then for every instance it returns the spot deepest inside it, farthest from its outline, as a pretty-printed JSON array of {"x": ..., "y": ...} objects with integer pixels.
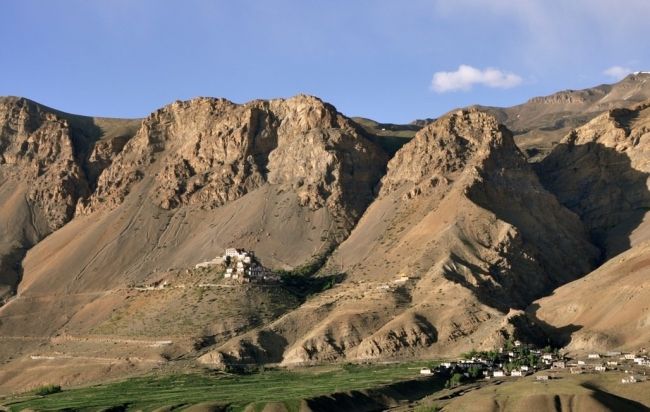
[
  {"x": 293, "y": 389},
  {"x": 395, "y": 387}
]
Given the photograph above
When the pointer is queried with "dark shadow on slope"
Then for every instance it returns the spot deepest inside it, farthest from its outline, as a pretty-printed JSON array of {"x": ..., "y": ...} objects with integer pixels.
[
  {"x": 265, "y": 347},
  {"x": 486, "y": 292},
  {"x": 376, "y": 399},
  {"x": 11, "y": 272},
  {"x": 540, "y": 332},
  {"x": 614, "y": 402},
  {"x": 600, "y": 185},
  {"x": 389, "y": 137}
]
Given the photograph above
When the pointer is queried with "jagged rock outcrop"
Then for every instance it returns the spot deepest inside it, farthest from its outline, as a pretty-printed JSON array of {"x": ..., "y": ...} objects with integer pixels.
[
  {"x": 40, "y": 181},
  {"x": 600, "y": 171},
  {"x": 37, "y": 148},
  {"x": 472, "y": 154},
  {"x": 461, "y": 238},
  {"x": 541, "y": 122},
  {"x": 212, "y": 152}
]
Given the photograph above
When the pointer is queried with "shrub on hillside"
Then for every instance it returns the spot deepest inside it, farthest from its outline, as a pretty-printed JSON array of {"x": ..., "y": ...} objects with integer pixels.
[{"x": 47, "y": 390}]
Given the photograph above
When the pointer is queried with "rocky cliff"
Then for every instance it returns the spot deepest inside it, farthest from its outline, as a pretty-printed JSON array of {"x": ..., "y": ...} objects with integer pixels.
[
  {"x": 461, "y": 238},
  {"x": 601, "y": 172},
  {"x": 540, "y": 123},
  {"x": 42, "y": 176},
  {"x": 212, "y": 151}
]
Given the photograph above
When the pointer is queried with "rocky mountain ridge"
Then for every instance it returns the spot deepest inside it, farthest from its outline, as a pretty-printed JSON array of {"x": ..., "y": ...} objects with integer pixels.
[
  {"x": 540, "y": 123},
  {"x": 441, "y": 249},
  {"x": 441, "y": 226},
  {"x": 46, "y": 166}
]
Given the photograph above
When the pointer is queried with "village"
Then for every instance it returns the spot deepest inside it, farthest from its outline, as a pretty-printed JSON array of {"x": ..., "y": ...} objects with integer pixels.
[{"x": 518, "y": 360}]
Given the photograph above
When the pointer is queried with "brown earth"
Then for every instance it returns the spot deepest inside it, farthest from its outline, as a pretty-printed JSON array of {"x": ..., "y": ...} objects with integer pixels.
[
  {"x": 443, "y": 248},
  {"x": 540, "y": 123},
  {"x": 454, "y": 216},
  {"x": 570, "y": 393},
  {"x": 601, "y": 172}
]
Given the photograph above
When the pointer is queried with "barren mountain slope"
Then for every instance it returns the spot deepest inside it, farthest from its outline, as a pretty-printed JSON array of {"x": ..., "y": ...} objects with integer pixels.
[
  {"x": 540, "y": 123},
  {"x": 609, "y": 309},
  {"x": 48, "y": 160},
  {"x": 285, "y": 178},
  {"x": 461, "y": 236},
  {"x": 601, "y": 172},
  {"x": 572, "y": 393}
]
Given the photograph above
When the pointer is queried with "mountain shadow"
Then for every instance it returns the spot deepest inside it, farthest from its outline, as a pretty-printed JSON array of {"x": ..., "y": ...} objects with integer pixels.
[
  {"x": 614, "y": 402},
  {"x": 601, "y": 186}
]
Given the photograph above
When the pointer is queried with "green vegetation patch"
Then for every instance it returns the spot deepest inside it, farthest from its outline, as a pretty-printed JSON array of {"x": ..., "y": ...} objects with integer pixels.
[
  {"x": 150, "y": 392},
  {"x": 303, "y": 282},
  {"x": 47, "y": 390}
]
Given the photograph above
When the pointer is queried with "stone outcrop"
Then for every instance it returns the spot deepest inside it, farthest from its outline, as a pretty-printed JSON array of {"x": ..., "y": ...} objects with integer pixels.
[
  {"x": 600, "y": 171},
  {"x": 461, "y": 236},
  {"x": 48, "y": 162},
  {"x": 36, "y": 148},
  {"x": 210, "y": 151},
  {"x": 469, "y": 152}
]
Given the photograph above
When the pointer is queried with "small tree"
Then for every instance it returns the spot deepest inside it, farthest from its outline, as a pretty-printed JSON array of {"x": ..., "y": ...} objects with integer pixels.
[
  {"x": 474, "y": 372},
  {"x": 47, "y": 390},
  {"x": 455, "y": 380}
]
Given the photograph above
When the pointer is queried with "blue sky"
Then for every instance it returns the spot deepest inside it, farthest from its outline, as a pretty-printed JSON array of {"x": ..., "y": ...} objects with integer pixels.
[{"x": 393, "y": 61}]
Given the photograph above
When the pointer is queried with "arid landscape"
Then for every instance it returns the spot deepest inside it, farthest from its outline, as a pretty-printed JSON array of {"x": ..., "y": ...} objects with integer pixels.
[
  {"x": 413, "y": 243},
  {"x": 290, "y": 206}
]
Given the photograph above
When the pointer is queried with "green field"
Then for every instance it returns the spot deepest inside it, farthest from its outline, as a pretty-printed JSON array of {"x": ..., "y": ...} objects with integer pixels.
[{"x": 238, "y": 391}]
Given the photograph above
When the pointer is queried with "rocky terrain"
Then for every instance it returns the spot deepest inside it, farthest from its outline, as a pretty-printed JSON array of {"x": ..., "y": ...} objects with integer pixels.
[
  {"x": 460, "y": 217},
  {"x": 432, "y": 238},
  {"x": 48, "y": 162},
  {"x": 601, "y": 172},
  {"x": 540, "y": 123},
  {"x": 197, "y": 177}
]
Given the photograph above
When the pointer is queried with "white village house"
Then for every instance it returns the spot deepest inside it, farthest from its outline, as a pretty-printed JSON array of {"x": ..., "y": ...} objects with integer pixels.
[{"x": 426, "y": 371}]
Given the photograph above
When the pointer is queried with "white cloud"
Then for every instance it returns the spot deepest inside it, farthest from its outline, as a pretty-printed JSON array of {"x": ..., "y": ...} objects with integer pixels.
[
  {"x": 617, "y": 72},
  {"x": 467, "y": 76}
]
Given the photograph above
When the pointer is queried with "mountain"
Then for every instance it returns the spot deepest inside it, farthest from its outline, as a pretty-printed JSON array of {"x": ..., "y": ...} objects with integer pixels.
[
  {"x": 600, "y": 171},
  {"x": 395, "y": 241},
  {"x": 541, "y": 122},
  {"x": 285, "y": 178},
  {"x": 391, "y": 137},
  {"x": 460, "y": 239},
  {"x": 48, "y": 161}
]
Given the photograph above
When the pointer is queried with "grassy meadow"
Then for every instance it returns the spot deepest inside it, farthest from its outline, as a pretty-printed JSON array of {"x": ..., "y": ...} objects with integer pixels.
[{"x": 286, "y": 386}]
